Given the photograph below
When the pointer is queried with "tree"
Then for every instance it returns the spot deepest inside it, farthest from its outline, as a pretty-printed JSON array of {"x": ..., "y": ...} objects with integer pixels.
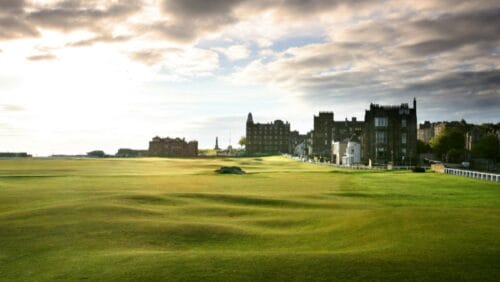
[
  {"x": 243, "y": 141},
  {"x": 449, "y": 145},
  {"x": 487, "y": 147},
  {"x": 422, "y": 147},
  {"x": 96, "y": 154}
]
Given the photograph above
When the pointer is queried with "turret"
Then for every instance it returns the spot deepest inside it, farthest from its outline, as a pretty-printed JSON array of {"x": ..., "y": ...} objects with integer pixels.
[
  {"x": 216, "y": 143},
  {"x": 249, "y": 118}
]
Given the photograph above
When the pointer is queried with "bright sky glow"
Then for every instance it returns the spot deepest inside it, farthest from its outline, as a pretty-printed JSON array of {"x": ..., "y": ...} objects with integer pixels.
[{"x": 82, "y": 75}]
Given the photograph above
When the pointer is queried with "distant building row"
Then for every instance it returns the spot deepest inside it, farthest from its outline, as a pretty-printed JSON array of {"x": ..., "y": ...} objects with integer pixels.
[
  {"x": 14, "y": 155},
  {"x": 163, "y": 147},
  {"x": 427, "y": 130},
  {"x": 387, "y": 135}
]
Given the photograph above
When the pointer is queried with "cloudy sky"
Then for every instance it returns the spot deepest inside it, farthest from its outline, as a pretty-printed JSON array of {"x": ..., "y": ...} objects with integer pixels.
[{"x": 82, "y": 75}]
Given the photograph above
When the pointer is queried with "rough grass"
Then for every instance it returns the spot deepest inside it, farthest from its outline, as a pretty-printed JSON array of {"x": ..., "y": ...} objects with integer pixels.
[{"x": 175, "y": 219}]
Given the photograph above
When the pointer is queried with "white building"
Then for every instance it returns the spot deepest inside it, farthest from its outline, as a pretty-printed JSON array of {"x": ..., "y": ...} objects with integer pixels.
[
  {"x": 338, "y": 150},
  {"x": 301, "y": 149},
  {"x": 352, "y": 153}
]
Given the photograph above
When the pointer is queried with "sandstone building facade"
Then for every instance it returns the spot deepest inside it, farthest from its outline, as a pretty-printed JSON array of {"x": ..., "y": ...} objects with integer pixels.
[
  {"x": 172, "y": 147},
  {"x": 266, "y": 138},
  {"x": 425, "y": 131}
]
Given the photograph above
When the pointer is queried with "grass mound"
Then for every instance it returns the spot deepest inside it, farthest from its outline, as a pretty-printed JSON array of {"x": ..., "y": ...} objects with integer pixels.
[{"x": 230, "y": 170}]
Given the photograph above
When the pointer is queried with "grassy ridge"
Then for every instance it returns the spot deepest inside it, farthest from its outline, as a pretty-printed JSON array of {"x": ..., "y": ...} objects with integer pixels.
[{"x": 153, "y": 219}]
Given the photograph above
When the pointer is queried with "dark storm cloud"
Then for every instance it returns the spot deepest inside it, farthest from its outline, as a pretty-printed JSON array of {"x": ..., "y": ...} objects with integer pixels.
[
  {"x": 200, "y": 9},
  {"x": 11, "y": 6},
  {"x": 73, "y": 14},
  {"x": 314, "y": 6},
  {"x": 464, "y": 82},
  {"x": 218, "y": 8},
  {"x": 19, "y": 19},
  {"x": 178, "y": 31},
  {"x": 451, "y": 32},
  {"x": 471, "y": 95},
  {"x": 191, "y": 19},
  {"x": 12, "y": 27},
  {"x": 13, "y": 23},
  {"x": 346, "y": 80}
]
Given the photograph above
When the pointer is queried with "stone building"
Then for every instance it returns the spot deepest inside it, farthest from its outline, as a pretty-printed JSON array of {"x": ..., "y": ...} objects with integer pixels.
[
  {"x": 131, "y": 153},
  {"x": 172, "y": 147},
  {"x": 439, "y": 128},
  {"x": 390, "y": 134},
  {"x": 425, "y": 131},
  {"x": 323, "y": 135},
  {"x": 344, "y": 130},
  {"x": 296, "y": 138},
  {"x": 266, "y": 138}
]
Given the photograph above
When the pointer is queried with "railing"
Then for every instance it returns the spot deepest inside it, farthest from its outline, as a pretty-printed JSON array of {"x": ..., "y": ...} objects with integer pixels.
[
  {"x": 356, "y": 166},
  {"x": 473, "y": 174}
]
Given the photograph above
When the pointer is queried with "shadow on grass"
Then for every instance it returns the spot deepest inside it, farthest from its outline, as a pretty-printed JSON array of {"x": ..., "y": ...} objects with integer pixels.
[{"x": 249, "y": 200}]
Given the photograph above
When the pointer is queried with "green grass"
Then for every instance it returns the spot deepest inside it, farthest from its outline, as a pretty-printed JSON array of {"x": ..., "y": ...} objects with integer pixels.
[{"x": 174, "y": 219}]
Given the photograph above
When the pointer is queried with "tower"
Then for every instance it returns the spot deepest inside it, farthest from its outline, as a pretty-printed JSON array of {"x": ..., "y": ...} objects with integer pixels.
[
  {"x": 249, "y": 118},
  {"x": 323, "y": 134},
  {"x": 216, "y": 143}
]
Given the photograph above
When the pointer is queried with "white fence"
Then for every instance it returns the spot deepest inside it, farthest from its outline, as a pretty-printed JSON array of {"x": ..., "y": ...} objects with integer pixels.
[
  {"x": 473, "y": 174},
  {"x": 355, "y": 167}
]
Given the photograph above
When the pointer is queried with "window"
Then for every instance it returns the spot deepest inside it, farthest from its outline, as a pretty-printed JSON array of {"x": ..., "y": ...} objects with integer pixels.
[
  {"x": 403, "y": 122},
  {"x": 381, "y": 122},
  {"x": 403, "y": 151},
  {"x": 403, "y": 138},
  {"x": 380, "y": 137}
]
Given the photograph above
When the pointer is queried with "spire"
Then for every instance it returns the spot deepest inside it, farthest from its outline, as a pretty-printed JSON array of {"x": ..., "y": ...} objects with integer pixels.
[
  {"x": 216, "y": 143},
  {"x": 414, "y": 103},
  {"x": 249, "y": 118}
]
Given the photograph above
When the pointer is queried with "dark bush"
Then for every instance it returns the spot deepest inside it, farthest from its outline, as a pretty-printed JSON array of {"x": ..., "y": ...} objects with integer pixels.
[
  {"x": 418, "y": 169},
  {"x": 230, "y": 170}
]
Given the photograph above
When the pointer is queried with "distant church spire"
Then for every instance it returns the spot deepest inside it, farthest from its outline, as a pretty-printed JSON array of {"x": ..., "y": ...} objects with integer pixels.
[
  {"x": 216, "y": 143},
  {"x": 414, "y": 103},
  {"x": 249, "y": 118}
]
